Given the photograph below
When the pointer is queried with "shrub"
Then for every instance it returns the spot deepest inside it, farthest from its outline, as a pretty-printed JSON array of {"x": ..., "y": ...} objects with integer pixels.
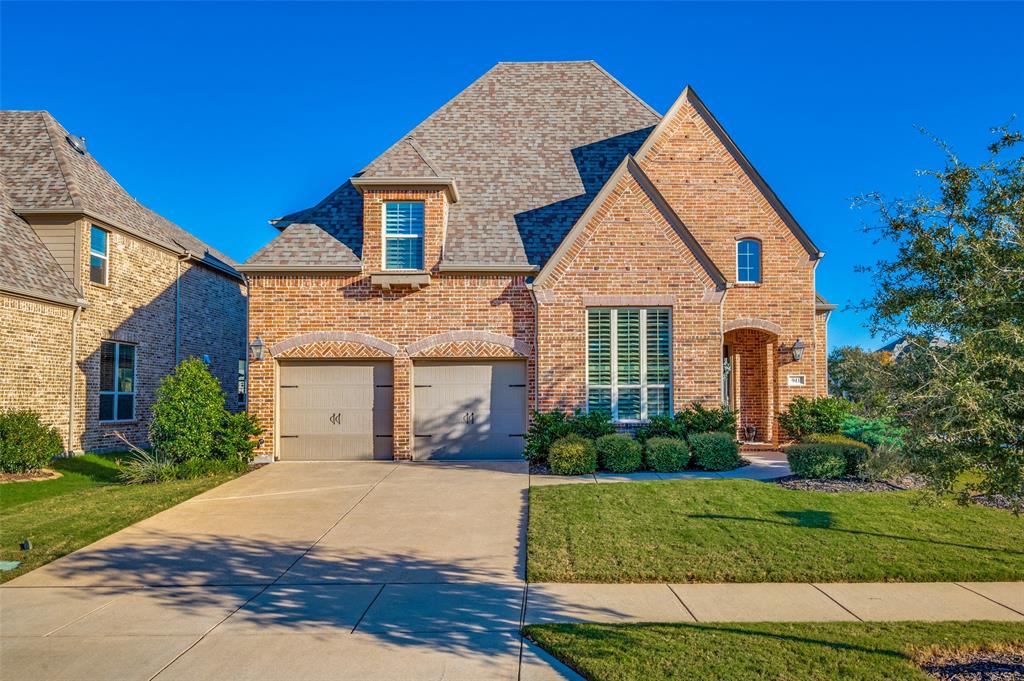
[
  {"x": 819, "y": 460},
  {"x": 188, "y": 413},
  {"x": 820, "y": 415},
  {"x": 715, "y": 451},
  {"x": 619, "y": 453},
  {"x": 572, "y": 455},
  {"x": 873, "y": 431},
  {"x": 235, "y": 438},
  {"x": 853, "y": 452},
  {"x": 690, "y": 421},
  {"x": 26, "y": 444},
  {"x": 884, "y": 462},
  {"x": 548, "y": 427},
  {"x": 666, "y": 455}
]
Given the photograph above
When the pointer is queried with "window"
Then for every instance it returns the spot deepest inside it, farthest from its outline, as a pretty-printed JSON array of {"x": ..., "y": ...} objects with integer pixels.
[
  {"x": 99, "y": 255},
  {"x": 629, "y": 362},
  {"x": 117, "y": 381},
  {"x": 241, "y": 381},
  {"x": 403, "y": 235},
  {"x": 748, "y": 261}
]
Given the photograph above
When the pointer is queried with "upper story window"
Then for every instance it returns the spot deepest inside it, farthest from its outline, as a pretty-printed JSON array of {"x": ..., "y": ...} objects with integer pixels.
[
  {"x": 403, "y": 235},
  {"x": 748, "y": 261},
  {"x": 629, "y": 362},
  {"x": 99, "y": 255},
  {"x": 117, "y": 381}
]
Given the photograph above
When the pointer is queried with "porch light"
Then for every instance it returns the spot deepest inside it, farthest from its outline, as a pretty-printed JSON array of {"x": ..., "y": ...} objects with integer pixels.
[
  {"x": 256, "y": 348},
  {"x": 797, "y": 350}
]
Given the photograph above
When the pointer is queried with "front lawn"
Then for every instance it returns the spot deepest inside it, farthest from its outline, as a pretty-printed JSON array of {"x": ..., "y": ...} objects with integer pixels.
[
  {"x": 746, "y": 531},
  {"x": 86, "y": 504},
  {"x": 791, "y": 651}
]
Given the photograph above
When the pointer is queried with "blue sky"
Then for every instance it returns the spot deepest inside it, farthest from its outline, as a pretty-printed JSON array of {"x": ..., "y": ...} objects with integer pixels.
[{"x": 221, "y": 116}]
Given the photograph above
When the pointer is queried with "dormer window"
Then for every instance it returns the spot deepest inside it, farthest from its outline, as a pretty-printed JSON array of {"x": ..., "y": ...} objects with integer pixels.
[
  {"x": 403, "y": 235},
  {"x": 748, "y": 261}
]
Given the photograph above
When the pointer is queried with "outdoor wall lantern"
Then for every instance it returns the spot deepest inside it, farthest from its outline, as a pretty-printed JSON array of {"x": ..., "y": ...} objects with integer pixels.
[
  {"x": 796, "y": 350},
  {"x": 256, "y": 348}
]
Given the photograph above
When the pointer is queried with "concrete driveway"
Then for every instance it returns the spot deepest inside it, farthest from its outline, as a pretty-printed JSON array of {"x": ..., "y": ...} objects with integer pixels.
[{"x": 370, "y": 570}]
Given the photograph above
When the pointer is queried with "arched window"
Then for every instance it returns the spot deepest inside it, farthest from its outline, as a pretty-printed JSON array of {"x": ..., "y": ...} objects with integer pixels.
[{"x": 748, "y": 261}]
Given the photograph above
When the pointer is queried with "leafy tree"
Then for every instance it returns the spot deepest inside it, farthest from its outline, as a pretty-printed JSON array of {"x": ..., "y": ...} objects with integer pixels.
[
  {"x": 958, "y": 274},
  {"x": 859, "y": 376},
  {"x": 188, "y": 412}
]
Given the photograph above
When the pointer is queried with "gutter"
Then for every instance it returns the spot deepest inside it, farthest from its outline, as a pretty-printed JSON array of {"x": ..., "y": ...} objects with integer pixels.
[
  {"x": 300, "y": 268},
  {"x": 45, "y": 297}
]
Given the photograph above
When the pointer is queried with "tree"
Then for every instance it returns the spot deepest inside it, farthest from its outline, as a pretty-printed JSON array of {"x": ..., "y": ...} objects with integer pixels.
[
  {"x": 958, "y": 274},
  {"x": 859, "y": 376},
  {"x": 188, "y": 412}
]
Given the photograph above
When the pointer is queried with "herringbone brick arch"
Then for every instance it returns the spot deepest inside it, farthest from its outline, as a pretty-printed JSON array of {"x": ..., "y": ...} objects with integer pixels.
[
  {"x": 469, "y": 349},
  {"x": 332, "y": 349}
]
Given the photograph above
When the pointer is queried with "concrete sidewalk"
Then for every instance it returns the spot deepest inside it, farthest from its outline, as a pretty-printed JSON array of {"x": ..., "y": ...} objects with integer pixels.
[
  {"x": 764, "y": 465},
  {"x": 770, "y": 602}
]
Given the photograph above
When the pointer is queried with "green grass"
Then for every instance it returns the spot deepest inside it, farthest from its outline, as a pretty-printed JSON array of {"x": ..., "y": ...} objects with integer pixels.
[
  {"x": 741, "y": 652},
  {"x": 746, "y": 531},
  {"x": 86, "y": 504}
]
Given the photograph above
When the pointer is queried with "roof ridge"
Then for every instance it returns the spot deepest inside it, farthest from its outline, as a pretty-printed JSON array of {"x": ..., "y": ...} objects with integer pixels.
[
  {"x": 423, "y": 156},
  {"x": 49, "y": 123},
  {"x": 624, "y": 88}
]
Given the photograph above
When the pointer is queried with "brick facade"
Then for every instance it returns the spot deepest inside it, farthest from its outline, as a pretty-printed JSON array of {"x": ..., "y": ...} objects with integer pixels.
[
  {"x": 137, "y": 306},
  {"x": 627, "y": 251}
]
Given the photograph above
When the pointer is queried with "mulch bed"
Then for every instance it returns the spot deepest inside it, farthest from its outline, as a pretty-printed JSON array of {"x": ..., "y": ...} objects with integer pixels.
[
  {"x": 977, "y": 666},
  {"x": 849, "y": 484},
  {"x": 30, "y": 476},
  {"x": 995, "y": 501}
]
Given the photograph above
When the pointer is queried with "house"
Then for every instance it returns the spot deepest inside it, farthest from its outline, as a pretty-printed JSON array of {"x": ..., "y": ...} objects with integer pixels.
[
  {"x": 545, "y": 240},
  {"x": 100, "y": 296},
  {"x": 903, "y": 344}
]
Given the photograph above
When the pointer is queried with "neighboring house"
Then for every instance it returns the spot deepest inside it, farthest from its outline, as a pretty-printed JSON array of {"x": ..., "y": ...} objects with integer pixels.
[
  {"x": 545, "y": 240},
  {"x": 100, "y": 296},
  {"x": 904, "y": 343}
]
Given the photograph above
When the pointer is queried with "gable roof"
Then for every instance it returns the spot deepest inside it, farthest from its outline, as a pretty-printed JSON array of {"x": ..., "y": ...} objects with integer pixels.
[
  {"x": 26, "y": 266},
  {"x": 629, "y": 165},
  {"x": 529, "y": 144},
  {"x": 689, "y": 96},
  {"x": 317, "y": 249},
  {"x": 44, "y": 173}
]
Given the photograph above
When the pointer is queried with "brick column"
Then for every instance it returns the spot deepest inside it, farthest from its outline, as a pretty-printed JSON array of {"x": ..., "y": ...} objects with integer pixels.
[{"x": 402, "y": 381}]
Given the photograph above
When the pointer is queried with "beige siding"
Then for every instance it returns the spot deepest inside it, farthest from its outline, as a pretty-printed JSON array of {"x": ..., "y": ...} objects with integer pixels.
[{"x": 59, "y": 238}]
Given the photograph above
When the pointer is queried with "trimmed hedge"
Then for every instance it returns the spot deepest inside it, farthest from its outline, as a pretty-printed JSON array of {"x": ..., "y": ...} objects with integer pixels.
[
  {"x": 817, "y": 460},
  {"x": 820, "y": 415},
  {"x": 572, "y": 455},
  {"x": 666, "y": 455},
  {"x": 690, "y": 421},
  {"x": 715, "y": 451},
  {"x": 26, "y": 444},
  {"x": 853, "y": 451},
  {"x": 546, "y": 427},
  {"x": 619, "y": 453}
]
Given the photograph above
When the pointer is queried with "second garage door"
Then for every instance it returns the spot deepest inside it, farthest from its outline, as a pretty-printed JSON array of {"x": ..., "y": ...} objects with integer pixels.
[
  {"x": 469, "y": 410},
  {"x": 335, "y": 410}
]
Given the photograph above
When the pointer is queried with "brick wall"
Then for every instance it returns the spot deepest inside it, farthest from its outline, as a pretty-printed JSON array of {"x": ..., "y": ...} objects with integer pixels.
[
  {"x": 720, "y": 205},
  {"x": 35, "y": 359},
  {"x": 628, "y": 255},
  {"x": 284, "y": 306}
]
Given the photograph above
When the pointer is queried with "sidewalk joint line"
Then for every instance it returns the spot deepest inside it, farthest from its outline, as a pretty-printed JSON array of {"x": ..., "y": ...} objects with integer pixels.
[
  {"x": 685, "y": 606},
  {"x": 94, "y": 610},
  {"x": 276, "y": 580},
  {"x": 989, "y": 599},
  {"x": 828, "y": 596},
  {"x": 370, "y": 605}
]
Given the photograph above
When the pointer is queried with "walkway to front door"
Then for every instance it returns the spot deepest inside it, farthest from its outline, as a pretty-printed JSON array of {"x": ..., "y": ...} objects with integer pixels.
[{"x": 358, "y": 570}]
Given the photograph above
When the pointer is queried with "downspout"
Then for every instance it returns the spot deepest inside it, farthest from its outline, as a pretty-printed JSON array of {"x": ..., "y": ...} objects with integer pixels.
[{"x": 71, "y": 382}]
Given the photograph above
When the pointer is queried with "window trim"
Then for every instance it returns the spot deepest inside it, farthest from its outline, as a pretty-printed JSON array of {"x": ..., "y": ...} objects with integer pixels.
[
  {"x": 384, "y": 236},
  {"x": 115, "y": 392},
  {"x": 760, "y": 260},
  {"x": 644, "y": 386},
  {"x": 243, "y": 381},
  {"x": 105, "y": 256}
]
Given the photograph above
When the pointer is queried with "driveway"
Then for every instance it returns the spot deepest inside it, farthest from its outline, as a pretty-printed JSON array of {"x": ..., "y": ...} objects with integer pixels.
[{"x": 372, "y": 570}]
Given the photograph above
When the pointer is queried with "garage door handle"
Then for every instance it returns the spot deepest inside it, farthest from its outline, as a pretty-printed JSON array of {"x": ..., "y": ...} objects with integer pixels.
[
  {"x": 517, "y": 385},
  {"x": 285, "y": 437},
  {"x": 431, "y": 435},
  {"x": 425, "y": 385},
  {"x": 289, "y": 386}
]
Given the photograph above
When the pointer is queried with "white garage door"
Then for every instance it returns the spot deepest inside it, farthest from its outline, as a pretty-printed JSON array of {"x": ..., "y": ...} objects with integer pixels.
[
  {"x": 469, "y": 409},
  {"x": 335, "y": 411}
]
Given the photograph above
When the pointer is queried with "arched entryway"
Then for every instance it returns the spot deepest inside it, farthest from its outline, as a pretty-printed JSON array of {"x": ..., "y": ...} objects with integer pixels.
[{"x": 750, "y": 348}]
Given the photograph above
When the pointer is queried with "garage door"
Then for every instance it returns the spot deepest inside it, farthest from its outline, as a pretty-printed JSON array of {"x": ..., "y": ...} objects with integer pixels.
[
  {"x": 335, "y": 411},
  {"x": 469, "y": 410}
]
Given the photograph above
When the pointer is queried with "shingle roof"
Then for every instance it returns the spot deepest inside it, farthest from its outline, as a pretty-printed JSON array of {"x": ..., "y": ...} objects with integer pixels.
[
  {"x": 43, "y": 171},
  {"x": 307, "y": 243},
  {"x": 529, "y": 144},
  {"x": 26, "y": 265}
]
